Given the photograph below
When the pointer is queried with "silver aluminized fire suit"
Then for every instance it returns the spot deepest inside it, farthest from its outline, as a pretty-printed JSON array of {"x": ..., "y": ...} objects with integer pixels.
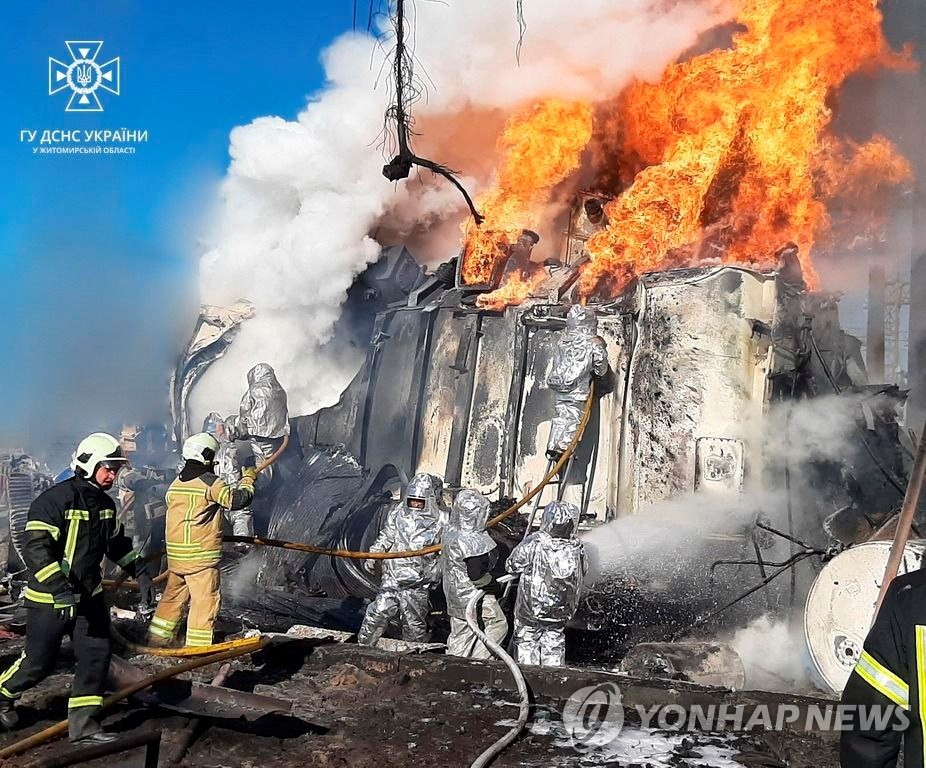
[
  {"x": 227, "y": 466},
  {"x": 552, "y": 566},
  {"x": 580, "y": 354},
  {"x": 465, "y": 538},
  {"x": 263, "y": 418},
  {"x": 406, "y": 582}
]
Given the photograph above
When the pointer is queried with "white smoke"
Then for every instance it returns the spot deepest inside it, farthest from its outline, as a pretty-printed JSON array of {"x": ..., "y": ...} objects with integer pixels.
[
  {"x": 775, "y": 656},
  {"x": 303, "y": 199}
]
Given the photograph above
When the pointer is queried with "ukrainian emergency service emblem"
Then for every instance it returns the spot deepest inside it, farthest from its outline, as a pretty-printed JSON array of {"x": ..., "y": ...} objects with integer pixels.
[{"x": 83, "y": 75}]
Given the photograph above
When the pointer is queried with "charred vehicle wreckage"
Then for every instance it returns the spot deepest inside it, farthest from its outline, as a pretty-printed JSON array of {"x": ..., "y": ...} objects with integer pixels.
[{"x": 710, "y": 496}]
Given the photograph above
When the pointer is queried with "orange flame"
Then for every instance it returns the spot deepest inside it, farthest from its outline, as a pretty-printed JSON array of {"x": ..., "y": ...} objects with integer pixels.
[
  {"x": 541, "y": 147},
  {"x": 734, "y": 141},
  {"x": 513, "y": 291}
]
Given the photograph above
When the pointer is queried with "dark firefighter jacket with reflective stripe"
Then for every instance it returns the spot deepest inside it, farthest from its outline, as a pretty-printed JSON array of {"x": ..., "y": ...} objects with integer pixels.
[
  {"x": 891, "y": 673},
  {"x": 194, "y": 518},
  {"x": 70, "y": 528}
]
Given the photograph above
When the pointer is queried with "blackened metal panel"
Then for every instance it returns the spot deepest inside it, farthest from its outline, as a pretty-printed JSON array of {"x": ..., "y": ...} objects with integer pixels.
[
  {"x": 392, "y": 419},
  {"x": 696, "y": 375},
  {"x": 535, "y": 413},
  {"x": 495, "y": 367},
  {"x": 448, "y": 394},
  {"x": 341, "y": 424}
]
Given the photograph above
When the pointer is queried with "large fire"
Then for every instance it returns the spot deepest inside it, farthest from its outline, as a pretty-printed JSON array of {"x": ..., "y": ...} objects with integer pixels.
[
  {"x": 540, "y": 147},
  {"x": 731, "y": 150}
]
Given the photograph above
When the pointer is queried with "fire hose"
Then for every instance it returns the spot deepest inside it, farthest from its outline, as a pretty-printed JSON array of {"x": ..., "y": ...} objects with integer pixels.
[
  {"x": 59, "y": 729},
  {"x": 524, "y": 705},
  {"x": 357, "y": 555},
  {"x": 353, "y": 555},
  {"x": 161, "y": 578},
  {"x": 182, "y": 652}
]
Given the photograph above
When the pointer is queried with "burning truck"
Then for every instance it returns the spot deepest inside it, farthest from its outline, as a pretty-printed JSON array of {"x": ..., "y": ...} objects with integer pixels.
[
  {"x": 703, "y": 361},
  {"x": 711, "y": 192}
]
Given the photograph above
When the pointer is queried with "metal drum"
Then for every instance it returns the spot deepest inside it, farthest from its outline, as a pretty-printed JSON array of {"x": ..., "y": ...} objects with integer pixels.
[{"x": 840, "y": 607}]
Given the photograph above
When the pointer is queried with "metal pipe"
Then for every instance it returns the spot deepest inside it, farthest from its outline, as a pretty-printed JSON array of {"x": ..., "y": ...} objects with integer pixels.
[
  {"x": 911, "y": 503},
  {"x": 874, "y": 347},
  {"x": 151, "y": 740},
  {"x": 530, "y": 520},
  {"x": 58, "y": 730}
]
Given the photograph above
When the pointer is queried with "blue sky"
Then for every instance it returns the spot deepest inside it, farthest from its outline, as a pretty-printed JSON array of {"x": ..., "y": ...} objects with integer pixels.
[{"x": 97, "y": 253}]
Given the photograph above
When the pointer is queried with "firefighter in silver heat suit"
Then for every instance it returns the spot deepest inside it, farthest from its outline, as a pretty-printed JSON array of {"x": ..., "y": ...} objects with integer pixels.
[
  {"x": 263, "y": 419},
  {"x": 552, "y": 566},
  {"x": 412, "y": 523},
  {"x": 580, "y": 354},
  {"x": 468, "y": 556},
  {"x": 226, "y": 466}
]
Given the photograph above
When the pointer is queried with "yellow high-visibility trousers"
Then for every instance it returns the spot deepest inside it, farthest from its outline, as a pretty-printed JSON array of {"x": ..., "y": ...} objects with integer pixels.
[{"x": 201, "y": 591}]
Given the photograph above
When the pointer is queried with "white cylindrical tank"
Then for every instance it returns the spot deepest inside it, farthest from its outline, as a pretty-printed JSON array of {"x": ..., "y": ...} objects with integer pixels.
[{"x": 840, "y": 607}]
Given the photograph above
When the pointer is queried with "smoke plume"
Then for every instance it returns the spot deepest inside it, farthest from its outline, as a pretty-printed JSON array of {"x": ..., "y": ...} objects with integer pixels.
[{"x": 304, "y": 201}]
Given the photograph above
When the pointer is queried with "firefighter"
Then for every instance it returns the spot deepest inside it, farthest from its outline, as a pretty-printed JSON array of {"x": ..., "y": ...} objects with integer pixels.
[
  {"x": 263, "y": 419},
  {"x": 884, "y": 695},
  {"x": 227, "y": 466},
  {"x": 552, "y": 565},
  {"x": 412, "y": 523},
  {"x": 70, "y": 528},
  {"x": 468, "y": 558},
  {"x": 195, "y": 504},
  {"x": 580, "y": 354}
]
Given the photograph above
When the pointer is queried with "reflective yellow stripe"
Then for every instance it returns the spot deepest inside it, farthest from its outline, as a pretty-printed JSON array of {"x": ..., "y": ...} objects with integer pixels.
[
  {"x": 198, "y": 637},
  {"x": 84, "y": 701},
  {"x": 193, "y": 495},
  {"x": 39, "y": 597},
  {"x": 38, "y": 525},
  {"x": 4, "y": 678},
  {"x": 195, "y": 556},
  {"x": 131, "y": 557},
  {"x": 883, "y": 680},
  {"x": 70, "y": 544},
  {"x": 107, "y": 514},
  {"x": 224, "y": 496},
  {"x": 167, "y": 634},
  {"x": 47, "y": 571},
  {"x": 921, "y": 677},
  {"x": 76, "y": 514},
  {"x": 157, "y": 621}
]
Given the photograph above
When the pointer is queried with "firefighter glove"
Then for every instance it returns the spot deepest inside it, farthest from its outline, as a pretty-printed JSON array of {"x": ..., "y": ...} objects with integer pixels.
[
  {"x": 249, "y": 474},
  {"x": 66, "y": 606}
]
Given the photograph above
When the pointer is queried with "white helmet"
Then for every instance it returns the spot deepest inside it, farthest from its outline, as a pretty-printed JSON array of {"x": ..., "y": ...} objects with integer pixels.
[
  {"x": 94, "y": 450},
  {"x": 201, "y": 447}
]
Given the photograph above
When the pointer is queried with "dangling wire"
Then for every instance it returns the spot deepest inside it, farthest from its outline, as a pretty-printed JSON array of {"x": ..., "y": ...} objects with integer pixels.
[
  {"x": 408, "y": 90},
  {"x": 522, "y": 28}
]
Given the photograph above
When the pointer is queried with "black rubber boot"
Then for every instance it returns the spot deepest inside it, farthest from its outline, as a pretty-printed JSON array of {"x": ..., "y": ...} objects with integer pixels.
[
  {"x": 84, "y": 729},
  {"x": 8, "y": 717},
  {"x": 100, "y": 737}
]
